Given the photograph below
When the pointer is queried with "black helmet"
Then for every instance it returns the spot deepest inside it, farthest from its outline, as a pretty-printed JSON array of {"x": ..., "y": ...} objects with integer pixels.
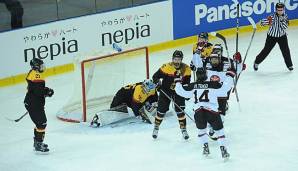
[
  {"x": 201, "y": 74},
  {"x": 178, "y": 54},
  {"x": 279, "y": 5},
  {"x": 203, "y": 35},
  {"x": 37, "y": 64}
]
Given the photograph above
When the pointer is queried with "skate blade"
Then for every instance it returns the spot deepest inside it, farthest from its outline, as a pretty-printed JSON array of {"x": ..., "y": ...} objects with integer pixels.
[
  {"x": 41, "y": 153},
  {"x": 207, "y": 156},
  {"x": 186, "y": 139},
  {"x": 225, "y": 159}
]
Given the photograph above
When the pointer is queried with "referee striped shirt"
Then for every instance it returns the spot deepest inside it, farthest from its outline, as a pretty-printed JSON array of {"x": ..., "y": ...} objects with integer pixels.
[{"x": 278, "y": 26}]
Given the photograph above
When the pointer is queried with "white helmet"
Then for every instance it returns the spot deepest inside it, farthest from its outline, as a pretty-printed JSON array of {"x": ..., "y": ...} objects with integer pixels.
[{"x": 148, "y": 85}]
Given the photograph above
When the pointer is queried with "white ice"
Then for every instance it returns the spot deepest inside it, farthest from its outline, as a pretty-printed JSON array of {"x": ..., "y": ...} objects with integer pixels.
[{"x": 260, "y": 129}]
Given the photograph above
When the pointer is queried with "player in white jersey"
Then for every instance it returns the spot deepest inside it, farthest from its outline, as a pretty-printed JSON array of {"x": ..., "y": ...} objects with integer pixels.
[{"x": 206, "y": 106}]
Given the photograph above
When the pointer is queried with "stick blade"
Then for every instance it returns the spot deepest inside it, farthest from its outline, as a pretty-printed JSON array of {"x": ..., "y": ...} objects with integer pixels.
[
  {"x": 213, "y": 33},
  {"x": 252, "y": 22}
]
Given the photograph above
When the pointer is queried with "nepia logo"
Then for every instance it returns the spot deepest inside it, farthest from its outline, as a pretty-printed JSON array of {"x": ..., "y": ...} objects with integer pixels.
[{"x": 247, "y": 8}]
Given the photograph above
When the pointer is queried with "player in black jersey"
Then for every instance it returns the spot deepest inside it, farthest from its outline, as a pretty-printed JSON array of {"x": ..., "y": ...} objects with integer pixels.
[
  {"x": 166, "y": 77},
  {"x": 35, "y": 102}
]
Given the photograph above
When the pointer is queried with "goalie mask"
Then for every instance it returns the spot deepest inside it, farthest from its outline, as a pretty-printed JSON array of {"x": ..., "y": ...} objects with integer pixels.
[
  {"x": 37, "y": 64},
  {"x": 177, "y": 58},
  {"x": 148, "y": 86}
]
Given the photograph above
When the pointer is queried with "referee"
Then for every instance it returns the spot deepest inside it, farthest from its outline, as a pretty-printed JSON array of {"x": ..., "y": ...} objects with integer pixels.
[{"x": 278, "y": 23}]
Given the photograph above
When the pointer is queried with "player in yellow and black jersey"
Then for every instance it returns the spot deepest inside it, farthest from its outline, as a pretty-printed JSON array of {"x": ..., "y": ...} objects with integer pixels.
[
  {"x": 203, "y": 46},
  {"x": 35, "y": 102},
  {"x": 202, "y": 50},
  {"x": 166, "y": 77},
  {"x": 140, "y": 97}
]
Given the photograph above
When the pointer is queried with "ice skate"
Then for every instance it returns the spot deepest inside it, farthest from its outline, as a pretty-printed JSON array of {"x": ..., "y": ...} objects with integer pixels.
[
  {"x": 206, "y": 151},
  {"x": 184, "y": 134},
  {"x": 155, "y": 132},
  {"x": 41, "y": 148},
  {"x": 225, "y": 155}
]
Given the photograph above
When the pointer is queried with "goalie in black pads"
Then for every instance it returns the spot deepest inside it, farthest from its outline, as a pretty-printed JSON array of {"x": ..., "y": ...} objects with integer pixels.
[
  {"x": 141, "y": 97},
  {"x": 206, "y": 106},
  {"x": 35, "y": 102}
]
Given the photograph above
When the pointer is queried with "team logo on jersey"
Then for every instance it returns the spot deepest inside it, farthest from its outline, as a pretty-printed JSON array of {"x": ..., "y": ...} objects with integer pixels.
[{"x": 215, "y": 78}]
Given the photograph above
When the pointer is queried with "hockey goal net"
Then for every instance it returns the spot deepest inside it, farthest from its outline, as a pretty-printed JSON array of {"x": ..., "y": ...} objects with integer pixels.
[{"x": 100, "y": 79}]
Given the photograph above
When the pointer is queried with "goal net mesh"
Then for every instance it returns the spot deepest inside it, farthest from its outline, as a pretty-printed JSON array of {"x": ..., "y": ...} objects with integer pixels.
[{"x": 98, "y": 79}]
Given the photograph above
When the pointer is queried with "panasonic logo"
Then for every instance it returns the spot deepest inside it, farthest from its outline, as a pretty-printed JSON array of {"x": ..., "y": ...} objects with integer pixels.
[{"x": 247, "y": 8}]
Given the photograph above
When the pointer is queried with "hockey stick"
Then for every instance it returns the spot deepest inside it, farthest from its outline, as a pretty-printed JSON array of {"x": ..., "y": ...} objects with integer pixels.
[
  {"x": 252, "y": 22},
  {"x": 237, "y": 42},
  {"x": 220, "y": 36},
  {"x": 177, "y": 105},
  {"x": 20, "y": 118}
]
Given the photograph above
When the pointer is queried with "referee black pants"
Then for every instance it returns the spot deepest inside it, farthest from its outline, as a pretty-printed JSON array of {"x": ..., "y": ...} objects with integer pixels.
[{"x": 270, "y": 43}]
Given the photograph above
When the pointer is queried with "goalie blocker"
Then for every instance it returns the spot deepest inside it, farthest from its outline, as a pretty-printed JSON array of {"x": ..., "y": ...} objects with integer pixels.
[{"x": 134, "y": 100}]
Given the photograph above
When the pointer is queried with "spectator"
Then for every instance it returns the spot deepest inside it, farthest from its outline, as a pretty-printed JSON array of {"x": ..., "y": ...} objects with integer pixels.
[{"x": 16, "y": 11}]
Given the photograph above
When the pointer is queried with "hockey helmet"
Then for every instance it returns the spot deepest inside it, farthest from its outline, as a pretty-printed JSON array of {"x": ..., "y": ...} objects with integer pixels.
[
  {"x": 217, "y": 48},
  {"x": 178, "y": 54},
  {"x": 279, "y": 5},
  {"x": 37, "y": 64},
  {"x": 177, "y": 58},
  {"x": 203, "y": 35},
  {"x": 201, "y": 74},
  {"x": 148, "y": 85}
]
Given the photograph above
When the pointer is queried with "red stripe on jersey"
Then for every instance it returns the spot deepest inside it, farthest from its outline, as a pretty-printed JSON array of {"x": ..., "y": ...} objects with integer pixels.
[{"x": 38, "y": 81}]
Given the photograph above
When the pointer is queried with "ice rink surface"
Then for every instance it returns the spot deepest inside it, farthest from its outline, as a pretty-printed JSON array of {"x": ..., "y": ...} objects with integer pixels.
[{"x": 260, "y": 129}]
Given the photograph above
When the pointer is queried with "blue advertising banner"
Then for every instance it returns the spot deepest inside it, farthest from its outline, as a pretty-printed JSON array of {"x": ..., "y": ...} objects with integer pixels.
[{"x": 194, "y": 16}]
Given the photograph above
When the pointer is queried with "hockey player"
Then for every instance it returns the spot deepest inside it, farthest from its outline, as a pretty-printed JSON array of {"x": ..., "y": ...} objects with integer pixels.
[
  {"x": 206, "y": 106},
  {"x": 202, "y": 50},
  {"x": 139, "y": 97},
  {"x": 166, "y": 77},
  {"x": 217, "y": 66},
  {"x": 35, "y": 102}
]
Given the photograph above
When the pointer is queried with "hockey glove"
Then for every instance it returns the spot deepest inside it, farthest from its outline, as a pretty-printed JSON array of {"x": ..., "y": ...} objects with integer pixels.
[
  {"x": 243, "y": 67},
  {"x": 269, "y": 18},
  {"x": 231, "y": 73},
  {"x": 237, "y": 57},
  {"x": 49, "y": 92},
  {"x": 192, "y": 67},
  {"x": 178, "y": 77}
]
